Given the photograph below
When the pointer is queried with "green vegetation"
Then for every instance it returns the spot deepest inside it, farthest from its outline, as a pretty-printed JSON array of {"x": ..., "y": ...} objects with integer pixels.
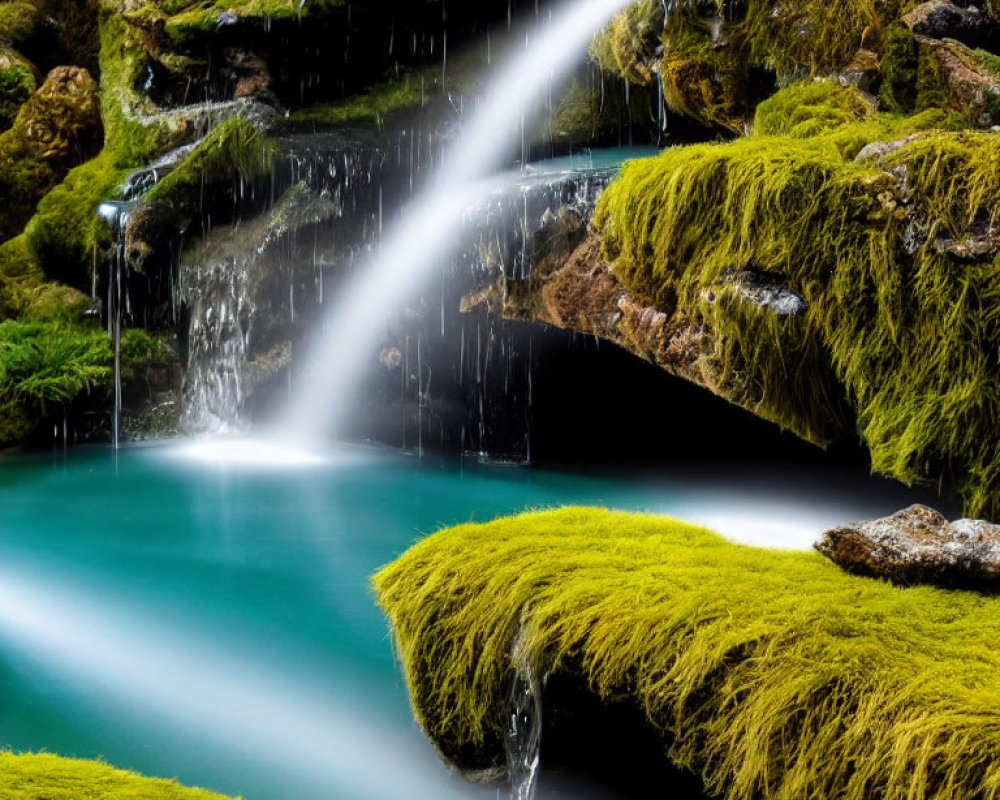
[
  {"x": 372, "y": 108},
  {"x": 18, "y": 20},
  {"x": 45, "y": 366},
  {"x": 66, "y": 232},
  {"x": 186, "y": 19},
  {"x": 16, "y": 85},
  {"x": 811, "y": 108},
  {"x": 47, "y": 777},
  {"x": 716, "y": 60},
  {"x": 899, "y": 320},
  {"x": 770, "y": 673}
]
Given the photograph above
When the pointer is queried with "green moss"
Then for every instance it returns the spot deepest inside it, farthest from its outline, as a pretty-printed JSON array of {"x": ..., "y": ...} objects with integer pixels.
[
  {"x": 914, "y": 76},
  {"x": 718, "y": 59},
  {"x": 374, "y": 107},
  {"x": 16, "y": 85},
  {"x": 908, "y": 336},
  {"x": 712, "y": 91},
  {"x": 900, "y": 61},
  {"x": 141, "y": 348},
  {"x": 234, "y": 152},
  {"x": 811, "y": 108},
  {"x": 187, "y": 19},
  {"x": 628, "y": 45},
  {"x": 18, "y": 21},
  {"x": 66, "y": 233},
  {"x": 19, "y": 274},
  {"x": 769, "y": 673},
  {"x": 48, "y": 777},
  {"x": 134, "y": 136},
  {"x": 235, "y": 149}
]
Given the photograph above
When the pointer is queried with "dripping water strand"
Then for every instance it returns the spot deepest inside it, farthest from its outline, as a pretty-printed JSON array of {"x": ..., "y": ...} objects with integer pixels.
[{"x": 524, "y": 734}]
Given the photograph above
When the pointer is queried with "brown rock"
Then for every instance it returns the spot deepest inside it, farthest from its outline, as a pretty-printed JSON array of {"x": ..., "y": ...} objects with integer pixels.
[
  {"x": 971, "y": 83},
  {"x": 61, "y": 122},
  {"x": 918, "y": 545},
  {"x": 573, "y": 288}
]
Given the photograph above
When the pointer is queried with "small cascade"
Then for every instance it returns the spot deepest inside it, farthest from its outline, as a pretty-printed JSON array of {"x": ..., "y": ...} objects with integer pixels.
[
  {"x": 117, "y": 306},
  {"x": 248, "y": 289},
  {"x": 116, "y": 214},
  {"x": 524, "y": 733}
]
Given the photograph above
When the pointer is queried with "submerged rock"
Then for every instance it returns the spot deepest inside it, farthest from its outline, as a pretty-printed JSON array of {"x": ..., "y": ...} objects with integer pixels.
[{"x": 918, "y": 545}]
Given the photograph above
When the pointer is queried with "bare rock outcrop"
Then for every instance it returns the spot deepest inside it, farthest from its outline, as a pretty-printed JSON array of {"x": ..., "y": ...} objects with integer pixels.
[{"x": 918, "y": 545}]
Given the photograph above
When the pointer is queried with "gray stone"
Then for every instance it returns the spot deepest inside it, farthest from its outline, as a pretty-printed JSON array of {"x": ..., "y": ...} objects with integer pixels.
[{"x": 918, "y": 545}]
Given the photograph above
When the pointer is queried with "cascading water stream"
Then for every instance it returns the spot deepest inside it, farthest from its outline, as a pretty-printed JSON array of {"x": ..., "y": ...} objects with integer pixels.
[
  {"x": 524, "y": 734},
  {"x": 426, "y": 235},
  {"x": 116, "y": 214}
]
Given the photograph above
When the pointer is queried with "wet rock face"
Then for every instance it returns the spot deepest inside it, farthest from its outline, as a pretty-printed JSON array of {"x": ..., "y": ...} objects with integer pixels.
[
  {"x": 941, "y": 19},
  {"x": 918, "y": 545},
  {"x": 237, "y": 285}
]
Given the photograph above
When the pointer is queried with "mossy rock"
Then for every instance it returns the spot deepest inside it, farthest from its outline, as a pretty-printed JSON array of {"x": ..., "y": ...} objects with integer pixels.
[
  {"x": 718, "y": 60},
  {"x": 45, "y": 367},
  {"x": 711, "y": 93},
  {"x": 235, "y": 153},
  {"x": 187, "y": 19},
  {"x": 891, "y": 253},
  {"x": 17, "y": 82},
  {"x": 768, "y": 673},
  {"x": 375, "y": 108},
  {"x": 42, "y": 776},
  {"x": 921, "y": 73},
  {"x": 628, "y": 45},
  {"x": 18, "y": 21},
  {"x": 57, "y": 127},
  {"x": 811, "y": 108}
]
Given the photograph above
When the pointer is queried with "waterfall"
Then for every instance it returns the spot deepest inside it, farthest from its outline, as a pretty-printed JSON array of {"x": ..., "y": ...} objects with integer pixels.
[{"x": 425, "y": 236}]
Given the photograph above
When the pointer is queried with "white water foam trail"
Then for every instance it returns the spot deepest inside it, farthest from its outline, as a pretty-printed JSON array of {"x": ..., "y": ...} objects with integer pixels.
[
  {"x": 299, "y": 728},
  {"x": 428, "y": 232}
]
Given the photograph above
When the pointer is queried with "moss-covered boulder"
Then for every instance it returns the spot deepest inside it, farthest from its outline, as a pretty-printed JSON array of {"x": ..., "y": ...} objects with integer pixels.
[
  {"x": 716, "y": 60},
  {"x": 891, "y": 246},
  {"x": 58, "y": 127},
  {"x": 43, "y": 776},
  {"x": 767, "y": 673}
]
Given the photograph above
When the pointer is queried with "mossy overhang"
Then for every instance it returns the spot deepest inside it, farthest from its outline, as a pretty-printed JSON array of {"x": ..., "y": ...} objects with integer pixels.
[
  {"x": 882, "y": 224},
  {"x": 767, "y": 672}
]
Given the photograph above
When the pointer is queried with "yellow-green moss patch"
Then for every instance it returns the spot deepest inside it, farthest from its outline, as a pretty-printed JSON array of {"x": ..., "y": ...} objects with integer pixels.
[
  {"x": 899, "y": 302},
  {"x": 48, "y": 777},
  {"x": 770, "y": 673}
]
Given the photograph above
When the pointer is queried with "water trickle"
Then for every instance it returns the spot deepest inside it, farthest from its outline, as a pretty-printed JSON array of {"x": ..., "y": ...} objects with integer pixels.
[{"x": 524, "y": 733}]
